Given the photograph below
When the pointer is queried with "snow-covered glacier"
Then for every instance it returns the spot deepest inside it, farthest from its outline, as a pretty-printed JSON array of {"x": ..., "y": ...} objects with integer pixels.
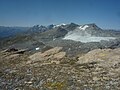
[
  {"x": 86, "y": 39},
  {"x": 81, "y": 35}
]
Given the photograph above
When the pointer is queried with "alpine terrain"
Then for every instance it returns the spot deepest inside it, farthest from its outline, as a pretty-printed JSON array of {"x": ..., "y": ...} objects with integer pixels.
[{"x": 59, "y": 57}]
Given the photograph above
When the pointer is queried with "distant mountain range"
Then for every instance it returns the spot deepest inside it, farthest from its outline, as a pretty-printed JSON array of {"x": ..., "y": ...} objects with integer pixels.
[
  {"x": 10, "y": 31},
  {"x": 83, "y": 37},
  {"x": 91, "y": 29},
  {"x": 59, "y": 57}
]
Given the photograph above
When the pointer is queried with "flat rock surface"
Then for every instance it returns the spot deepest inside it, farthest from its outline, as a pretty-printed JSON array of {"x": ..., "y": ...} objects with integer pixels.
[
  {"x": 106, "y": 57},
  {"x": 51, "y": 54}
]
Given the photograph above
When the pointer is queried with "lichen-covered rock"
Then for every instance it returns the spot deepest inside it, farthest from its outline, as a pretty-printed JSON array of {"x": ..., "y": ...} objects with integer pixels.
[
  {"x": 106, "y": 57},
  {"x": 52, "y": 51},
  {"x": 52, "y": 54},
  {"x": 59, "y": 55}
]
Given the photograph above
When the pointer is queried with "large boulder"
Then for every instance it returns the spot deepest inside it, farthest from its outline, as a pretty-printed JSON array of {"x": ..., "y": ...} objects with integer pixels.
[
  {"x": 105, "y": 57},
  {"x": 52, "y": 51},
  {"x": 51, "y": 54}
]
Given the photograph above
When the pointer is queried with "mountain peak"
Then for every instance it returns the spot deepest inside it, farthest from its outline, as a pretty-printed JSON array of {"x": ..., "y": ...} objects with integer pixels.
[
  {"x": 91, "y": 26},
  {"x": 55, "y": 26},
  {"x": 83, "y": 27},
  {"x": 73, "y": 24}
]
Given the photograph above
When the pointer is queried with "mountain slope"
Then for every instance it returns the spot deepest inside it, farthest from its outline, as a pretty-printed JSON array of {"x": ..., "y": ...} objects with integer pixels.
[
  {"x": 90, "y": 33},
  {"x": 65, "y": 34}
]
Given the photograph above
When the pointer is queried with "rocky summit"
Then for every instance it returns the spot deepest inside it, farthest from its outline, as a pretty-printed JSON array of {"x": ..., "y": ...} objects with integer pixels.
[
  {"x": 60, "y": 57},
  {"x": 98, "y": 69}
]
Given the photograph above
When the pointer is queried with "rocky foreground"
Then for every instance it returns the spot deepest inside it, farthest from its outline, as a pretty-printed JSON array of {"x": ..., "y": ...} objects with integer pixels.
[{"x": 98, "y": 69}]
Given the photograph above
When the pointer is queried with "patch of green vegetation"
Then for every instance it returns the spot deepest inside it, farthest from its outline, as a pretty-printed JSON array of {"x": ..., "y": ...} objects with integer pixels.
[{"x": 55, "y": 85}]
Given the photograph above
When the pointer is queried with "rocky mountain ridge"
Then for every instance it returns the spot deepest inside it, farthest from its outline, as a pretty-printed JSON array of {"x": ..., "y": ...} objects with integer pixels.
[
  {"x": 42, "y": 59},
  {"x": 71, "y": 37},
  {"x": 52, "y": 69}
]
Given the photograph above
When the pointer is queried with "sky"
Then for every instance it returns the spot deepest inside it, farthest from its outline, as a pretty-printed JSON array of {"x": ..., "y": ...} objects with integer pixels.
[{"x": 105, "y": 13}]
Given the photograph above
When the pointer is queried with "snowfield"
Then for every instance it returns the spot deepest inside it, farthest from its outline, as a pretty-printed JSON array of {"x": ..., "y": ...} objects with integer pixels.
[
  {"x": 80, "y": 34},
  {"x": 86, "y": 39}
]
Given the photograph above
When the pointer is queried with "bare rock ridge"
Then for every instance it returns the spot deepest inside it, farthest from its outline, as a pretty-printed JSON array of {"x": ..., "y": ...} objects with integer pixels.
[
  {"x": 72, "y": 31},
  {"x": 98, "y": 69},
  {"x": 54, "y": 53},
  {"x": 105, "y": 57}
]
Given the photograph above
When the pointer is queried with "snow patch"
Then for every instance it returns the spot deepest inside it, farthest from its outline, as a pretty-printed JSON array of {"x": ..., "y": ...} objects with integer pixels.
[
  {"x": 37, "y": 48},
  {"x": 63, "y": 24},
  {"x": 83, "y": 27},
  {"x": 54, "y": 39}
]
